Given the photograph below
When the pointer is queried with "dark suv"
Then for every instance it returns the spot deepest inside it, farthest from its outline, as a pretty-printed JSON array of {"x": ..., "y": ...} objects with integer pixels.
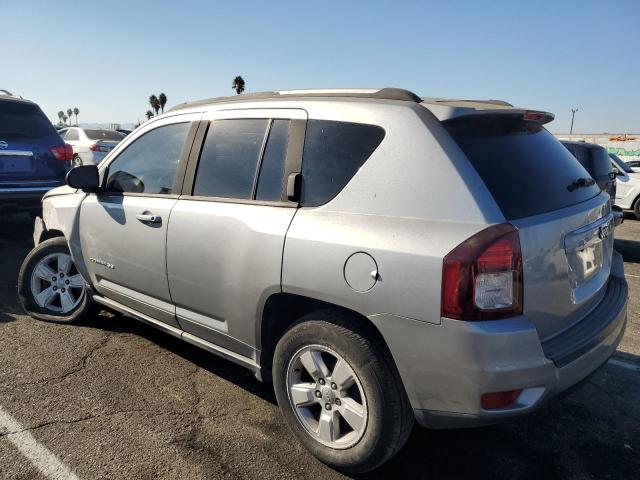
[
  {"x": 33, "y": 157},
  {"x": 595, "y": 160}
]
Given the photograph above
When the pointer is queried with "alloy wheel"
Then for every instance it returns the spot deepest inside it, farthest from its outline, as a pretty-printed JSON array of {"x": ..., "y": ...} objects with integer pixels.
[
  {"x": 327, "y": 396},
  {"x": 56, "y": 284}
]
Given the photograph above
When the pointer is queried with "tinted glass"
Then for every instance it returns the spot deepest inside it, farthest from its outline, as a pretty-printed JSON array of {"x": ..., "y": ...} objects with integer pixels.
[
  {"x": 525, "y": 168},
  {"x": 333, "y": 153},
  {"x": 229, "y": 158},
  {"x": 104, "y": 135},
  {"x": 270, "y": 180},
  {"x": 149, "y": 164},
  {"x": 71, "y": 135},
  {"x": 19, "y": 120}
]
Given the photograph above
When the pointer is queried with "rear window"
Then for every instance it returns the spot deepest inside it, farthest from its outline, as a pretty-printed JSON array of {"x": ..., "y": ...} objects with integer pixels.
[
  {"x": 525, "y": 168},
  {"x": 333, "y": 153},
  {"x": 21, "y": 120},
  {"x": 104, "y": 135}
]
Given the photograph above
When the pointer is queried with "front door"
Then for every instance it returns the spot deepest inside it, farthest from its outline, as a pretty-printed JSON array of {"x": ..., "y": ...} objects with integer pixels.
[
  {"x": 124, "y": 227},
  {"x": 226, "y": 235}
]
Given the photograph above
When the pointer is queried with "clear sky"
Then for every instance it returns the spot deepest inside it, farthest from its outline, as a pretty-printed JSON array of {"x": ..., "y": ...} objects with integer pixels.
[{"x": 107, "y": 57}]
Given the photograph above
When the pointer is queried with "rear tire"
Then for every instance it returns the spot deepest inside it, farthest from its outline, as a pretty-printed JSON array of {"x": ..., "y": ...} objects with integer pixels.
[
  {"x": 50, "y": 287},
  {"x": 636, "y": 208},
  {"x": 383, "y": 416},
  {"x": 76, "y": 162}
]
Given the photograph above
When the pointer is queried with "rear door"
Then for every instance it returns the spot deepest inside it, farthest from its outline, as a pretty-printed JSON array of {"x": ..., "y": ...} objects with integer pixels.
[
  {"x": 124, "y": 227},
  {"x": 564, "y": 223},
  {"x": 227, "y": 231}
]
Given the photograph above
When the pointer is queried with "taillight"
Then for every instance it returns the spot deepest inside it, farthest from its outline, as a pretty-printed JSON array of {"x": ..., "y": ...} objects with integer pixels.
[
  {"x": 98, "y": 148},
  {"x": 64, "y": 153},
  {"x": 482, "y": 277}
]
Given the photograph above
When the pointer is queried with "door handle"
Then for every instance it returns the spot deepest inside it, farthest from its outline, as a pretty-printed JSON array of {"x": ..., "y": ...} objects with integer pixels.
[{"x": 149, "y": 218}]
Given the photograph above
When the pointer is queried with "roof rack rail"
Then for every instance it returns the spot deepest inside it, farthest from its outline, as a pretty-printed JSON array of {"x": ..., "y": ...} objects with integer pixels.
[
  {"x": 7, "y": 93},
  {"x": 376, "y": 93}
]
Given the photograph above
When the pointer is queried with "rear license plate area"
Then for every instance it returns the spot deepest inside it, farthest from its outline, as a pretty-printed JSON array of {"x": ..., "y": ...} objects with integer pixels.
[
  {"x": 15, "y": 164},
  {"x": 588, "y": 251}
]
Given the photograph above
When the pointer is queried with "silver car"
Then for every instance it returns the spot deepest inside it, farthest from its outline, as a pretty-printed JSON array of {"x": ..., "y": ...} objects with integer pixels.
[
  {"x": 382, "y": 258},
  {"x": 90, "y": 145}
]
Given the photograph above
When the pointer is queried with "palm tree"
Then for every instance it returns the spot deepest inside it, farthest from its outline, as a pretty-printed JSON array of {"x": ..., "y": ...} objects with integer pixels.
[
  {"x": 162, "y": 98},
  {"x": 155, "y": 103},
  {"x": 69, "y": 113},
  {"x": 238, "y": 84},
  {"x": 64, "y": 118},
  {"x": 149, "y": 114},
  {"x": 76, "y": 111},
  {"x": 60, "y": 115}
]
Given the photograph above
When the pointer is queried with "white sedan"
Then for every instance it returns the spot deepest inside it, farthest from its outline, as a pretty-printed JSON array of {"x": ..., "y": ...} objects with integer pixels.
[{"x": 90, "y": 145}]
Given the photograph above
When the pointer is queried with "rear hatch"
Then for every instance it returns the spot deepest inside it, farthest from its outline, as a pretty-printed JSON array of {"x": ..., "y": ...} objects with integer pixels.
[
  {"x": 563, "y": 218},
  {"x": 26, "y": 138}
]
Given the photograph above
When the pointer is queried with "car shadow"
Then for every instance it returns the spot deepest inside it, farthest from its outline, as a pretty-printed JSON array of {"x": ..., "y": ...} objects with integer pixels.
[
  {"x": 629, "y": 249},
  {"x": 586, "y": 423},
  {"x": 243, "y": 378}
]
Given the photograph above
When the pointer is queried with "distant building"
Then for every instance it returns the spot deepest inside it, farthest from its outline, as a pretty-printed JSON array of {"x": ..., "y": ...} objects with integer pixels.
[{"x": 625, "y": 145}]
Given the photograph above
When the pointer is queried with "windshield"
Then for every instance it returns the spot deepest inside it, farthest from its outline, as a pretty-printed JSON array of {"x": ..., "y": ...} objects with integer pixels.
[
  {"x": 620, "y": 165},
  {"x": 104, "y": 135},
  {"x": 21, "y": 120},
  {"x": 525, "y": 168}
]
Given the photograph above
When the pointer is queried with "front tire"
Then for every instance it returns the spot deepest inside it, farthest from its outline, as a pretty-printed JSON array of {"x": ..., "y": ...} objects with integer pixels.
[
  {"x": 340, "y": 392},
  {"x": 636, "y": 208},
  {"x": 50, "y": 288}
]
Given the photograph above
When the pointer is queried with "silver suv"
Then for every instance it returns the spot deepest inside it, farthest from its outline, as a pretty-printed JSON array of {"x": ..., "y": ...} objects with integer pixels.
[{"x": 381, "y": 257}]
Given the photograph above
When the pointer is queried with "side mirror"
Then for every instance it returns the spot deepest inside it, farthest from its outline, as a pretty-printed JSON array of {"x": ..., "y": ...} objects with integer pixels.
[{"x": 84, "y": 177}]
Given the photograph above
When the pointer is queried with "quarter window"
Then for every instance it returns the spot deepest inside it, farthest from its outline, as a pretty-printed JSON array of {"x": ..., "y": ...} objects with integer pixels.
[
  {"x": 149, "y": 164},
  {"x": 229, "y": 158},
  {"x": 71, "y": 135},
  {"x": 333, "y": 153}
]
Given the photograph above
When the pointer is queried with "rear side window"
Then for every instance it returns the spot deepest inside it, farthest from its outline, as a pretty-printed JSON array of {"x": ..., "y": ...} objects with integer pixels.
[
  {"x": 23, "y": 121},
  {"x": 271, "y": 179},
  {"x": 525, "y": 168},
  {"x": 333, "y": 153},
  {"x": 229, "y": 158}
]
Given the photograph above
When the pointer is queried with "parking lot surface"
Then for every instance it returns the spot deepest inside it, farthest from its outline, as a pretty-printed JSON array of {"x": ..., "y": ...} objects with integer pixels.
[{"x": 115, "y": 399}]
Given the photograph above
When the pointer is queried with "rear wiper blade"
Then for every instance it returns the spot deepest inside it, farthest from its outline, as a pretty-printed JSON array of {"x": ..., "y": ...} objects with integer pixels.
[{"x": 581, "y": 182}]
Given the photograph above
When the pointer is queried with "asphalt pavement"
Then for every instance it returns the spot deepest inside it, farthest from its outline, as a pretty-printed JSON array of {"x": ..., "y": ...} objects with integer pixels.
[{"x": 115, "y": 399}]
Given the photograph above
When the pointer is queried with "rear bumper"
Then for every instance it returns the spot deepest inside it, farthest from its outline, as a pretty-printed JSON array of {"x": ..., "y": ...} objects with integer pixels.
[
  {"x": 24, "y": 197},
  {"x": 446, "y": 368}
]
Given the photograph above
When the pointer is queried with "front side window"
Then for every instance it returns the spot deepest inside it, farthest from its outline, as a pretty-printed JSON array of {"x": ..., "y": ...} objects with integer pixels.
[
  {"x": 149, "y": 164},
  {"x": 333, "y": 153},
  {"x": 229, "y": 158}
]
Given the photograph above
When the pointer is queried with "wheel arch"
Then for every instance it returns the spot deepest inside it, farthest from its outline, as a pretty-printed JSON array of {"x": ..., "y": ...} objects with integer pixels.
[{"x": 281, "y": 310}]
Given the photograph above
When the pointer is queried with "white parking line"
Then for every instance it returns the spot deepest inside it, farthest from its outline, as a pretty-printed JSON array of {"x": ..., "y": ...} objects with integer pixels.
[
  {"x": 628, "y": 366},
  {"x": 38, "y": 455},
  {"x": 629, "y": 275}
]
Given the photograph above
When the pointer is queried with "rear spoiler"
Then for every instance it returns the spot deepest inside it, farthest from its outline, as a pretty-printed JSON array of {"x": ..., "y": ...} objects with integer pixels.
[{"x": 449, "y": 113}]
